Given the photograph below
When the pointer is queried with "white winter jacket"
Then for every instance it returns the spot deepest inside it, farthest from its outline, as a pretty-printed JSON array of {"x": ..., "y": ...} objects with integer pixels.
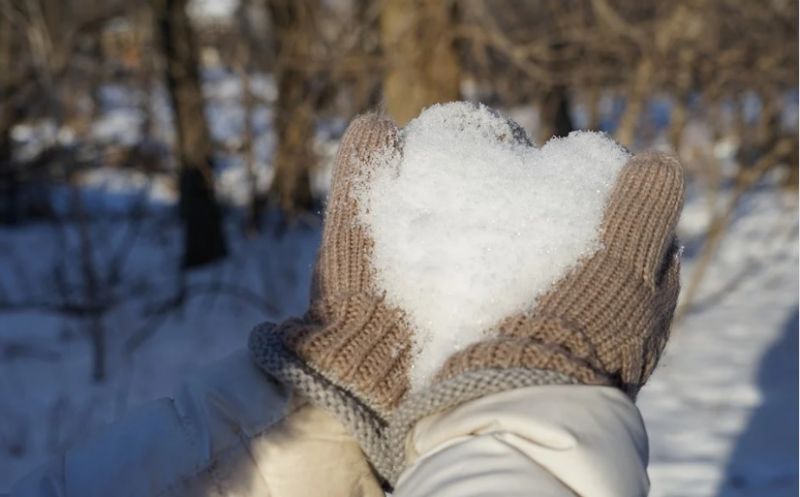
[
  {"x": 544, "y": 441},
  {"x": 233, "y": 432}
]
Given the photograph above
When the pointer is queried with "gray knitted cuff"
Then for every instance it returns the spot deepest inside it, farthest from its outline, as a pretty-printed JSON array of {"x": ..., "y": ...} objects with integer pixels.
[
  {"x": 268, "y": 352},
  {"x": 383, "y": 441}
]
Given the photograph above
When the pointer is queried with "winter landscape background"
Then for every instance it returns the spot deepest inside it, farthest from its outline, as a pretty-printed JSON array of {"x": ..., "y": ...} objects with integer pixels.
[{"x": 100, "y": 310}]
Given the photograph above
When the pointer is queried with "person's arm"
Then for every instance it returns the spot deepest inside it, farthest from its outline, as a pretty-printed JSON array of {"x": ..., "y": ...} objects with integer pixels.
[
  {"x": 230, "y": 430},
  {"x": 547, "y": 441}
]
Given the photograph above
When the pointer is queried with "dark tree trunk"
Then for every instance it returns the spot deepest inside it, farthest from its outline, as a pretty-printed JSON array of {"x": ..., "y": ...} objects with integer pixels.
[
  {"x": 554, "y": 115},
  {"x": 9, "y": 181},
  {"x": 556, "y": 120},
  {"x": 200, "y": 213},
  {"x": 294, "y": 109}
]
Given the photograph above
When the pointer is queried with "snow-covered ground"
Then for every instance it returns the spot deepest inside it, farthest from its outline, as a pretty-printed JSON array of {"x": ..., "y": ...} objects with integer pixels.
[
  {"x": 48, "y": 398},
  {"x": 721, "y": 410}
]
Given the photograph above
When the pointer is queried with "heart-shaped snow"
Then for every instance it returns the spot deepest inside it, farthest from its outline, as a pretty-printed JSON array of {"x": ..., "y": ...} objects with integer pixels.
[{"x": 472, "y": 224}]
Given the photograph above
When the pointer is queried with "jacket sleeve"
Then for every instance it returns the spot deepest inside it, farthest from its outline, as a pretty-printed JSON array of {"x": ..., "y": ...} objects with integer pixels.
[
  {"x": 230, "y": 430},
  {"x": 548, "y": 441}
]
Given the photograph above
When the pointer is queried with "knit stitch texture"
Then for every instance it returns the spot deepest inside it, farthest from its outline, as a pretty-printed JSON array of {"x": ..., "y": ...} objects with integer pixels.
[{"x": 605, "y": 323}]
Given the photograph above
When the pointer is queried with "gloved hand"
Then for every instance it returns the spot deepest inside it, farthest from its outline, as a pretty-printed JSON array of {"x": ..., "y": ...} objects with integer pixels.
[
  {"x": 604, "y": 323},
  {"x": 607, "y": 321},
  {"x": 350, "y": 352}
]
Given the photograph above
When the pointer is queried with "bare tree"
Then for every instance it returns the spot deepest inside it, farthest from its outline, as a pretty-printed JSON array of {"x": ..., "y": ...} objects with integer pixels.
[
  {"x": 421, "y": 61},
  {"x": 9, "y": 181},
  {"x": 242, "y": 61},
  {"x": 368, "y": 80},
  {"x": 293, "y": 22},
  {"x": 203, "y": 235}
]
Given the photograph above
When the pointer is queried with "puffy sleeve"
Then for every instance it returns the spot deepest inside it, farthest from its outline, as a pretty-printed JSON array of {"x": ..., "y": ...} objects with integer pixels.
[{"x": 547, "y": 441}]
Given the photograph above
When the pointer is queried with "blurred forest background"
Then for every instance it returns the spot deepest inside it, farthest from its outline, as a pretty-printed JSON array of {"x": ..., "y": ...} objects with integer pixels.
[{"x": 163, "y": 165}]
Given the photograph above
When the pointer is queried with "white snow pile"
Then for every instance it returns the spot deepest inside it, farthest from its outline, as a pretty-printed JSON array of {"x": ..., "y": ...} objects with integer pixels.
[{"x": 471, "y": 223}]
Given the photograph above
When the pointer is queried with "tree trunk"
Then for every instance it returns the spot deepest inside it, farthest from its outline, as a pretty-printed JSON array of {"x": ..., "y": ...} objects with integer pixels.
[
  {"x": 203, "y": 236},
  {"x": 555, "y": 116},
  {"x": 367, "y": 85},
  {"x": 294, "y": 109},
  {"x": 9, "y": 181},
  {"x": 638, "y": 91},
  {"x": 422, "y": 65},
  {"x": 243, "y": 54},
  {"x": 253, "y": 221}
]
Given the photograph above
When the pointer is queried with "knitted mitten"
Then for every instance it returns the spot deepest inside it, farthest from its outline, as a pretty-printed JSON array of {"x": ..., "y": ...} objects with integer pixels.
[
  {"x": 605, "y": 323},
  {"x": 350, "y": 352}
]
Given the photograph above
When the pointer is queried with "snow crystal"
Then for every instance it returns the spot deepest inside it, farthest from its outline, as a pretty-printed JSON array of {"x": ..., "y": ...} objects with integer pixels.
[{"x": 471, "y": 223}]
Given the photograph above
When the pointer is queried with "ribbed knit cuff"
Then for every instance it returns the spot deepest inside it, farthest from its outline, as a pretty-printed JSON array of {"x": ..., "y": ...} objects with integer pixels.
[
  {"x": 365, "y": 425},
  {"x": 357, "y": 343},
  {"x": 533, "y": 352}
]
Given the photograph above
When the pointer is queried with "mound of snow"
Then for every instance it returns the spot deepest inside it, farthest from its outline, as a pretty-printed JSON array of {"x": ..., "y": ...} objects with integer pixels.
[{"x": 472, "y": 224}]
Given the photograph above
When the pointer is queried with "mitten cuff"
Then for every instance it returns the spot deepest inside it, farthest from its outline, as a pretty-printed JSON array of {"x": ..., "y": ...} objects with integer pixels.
[
  {"x": 367, "y": 427},
  {"x": 357, "y": 343},
  {"x": 508, "y": 352}
]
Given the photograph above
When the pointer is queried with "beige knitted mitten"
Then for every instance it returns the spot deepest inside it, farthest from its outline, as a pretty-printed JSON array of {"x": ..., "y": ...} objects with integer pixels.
[
  {"x": 350, "y": 353},
  {"x": 605, "y": 323},
  {"x": 608, "y": 320}
]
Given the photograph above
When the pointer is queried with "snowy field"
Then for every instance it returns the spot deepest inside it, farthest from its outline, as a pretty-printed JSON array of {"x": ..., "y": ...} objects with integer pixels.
[{"x": 721, "y": 409}]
